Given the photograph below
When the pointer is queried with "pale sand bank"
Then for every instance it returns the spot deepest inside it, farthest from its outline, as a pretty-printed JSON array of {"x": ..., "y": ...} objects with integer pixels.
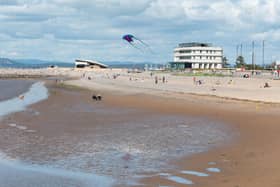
[
  {"x": 251, "y": 89},
  {"x": 227, "y": 87}
]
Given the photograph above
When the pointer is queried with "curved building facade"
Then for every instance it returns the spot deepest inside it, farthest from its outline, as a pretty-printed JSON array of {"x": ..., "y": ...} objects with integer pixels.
[{"x": 197, "y": 56}]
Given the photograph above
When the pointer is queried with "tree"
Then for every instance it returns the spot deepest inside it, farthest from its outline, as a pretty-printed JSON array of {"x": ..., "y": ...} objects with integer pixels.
[
  {"x": 225, "y": 62},
  {"x": 273, "y": 65},
  {"x": 240, "y": 62}
]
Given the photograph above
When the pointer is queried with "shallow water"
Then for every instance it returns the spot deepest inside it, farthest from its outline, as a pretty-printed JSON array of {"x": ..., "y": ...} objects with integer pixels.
[
  {"x": 36, "y": 93},
  {"x": 212, "y": 163},
  {"x": 144, "y": 145},
  {"x": 214, "y": 170},
  {"x": 15, "y": 173},
  {"x": 195, "y": 173},
  {"x": 122, "y": 151},
  {"x": 179, "y": 180},
  {"x": 13, "y": 88}
]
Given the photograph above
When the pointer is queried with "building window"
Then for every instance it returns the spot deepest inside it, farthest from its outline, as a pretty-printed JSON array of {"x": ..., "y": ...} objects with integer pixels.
[
  {"x": 185, "y": 51},
  {"x": 185, "y": 57}
]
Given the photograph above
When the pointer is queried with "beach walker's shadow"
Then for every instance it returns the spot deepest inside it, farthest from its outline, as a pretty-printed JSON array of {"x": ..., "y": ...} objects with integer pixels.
[{"x": 96, "y": 97}]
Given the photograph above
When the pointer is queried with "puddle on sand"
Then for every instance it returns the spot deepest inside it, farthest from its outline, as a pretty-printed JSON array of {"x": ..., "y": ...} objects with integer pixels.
[
  {"x": 212, "y": 163},
  {"x": 127, "y": 149},
  {"x": 20, "y": 127},
  {"x": 164, "y": 174},
  {"x": 214, "y": 170},
  {"x": 36, "y": 93},
  {"x": 179, "y": 180},
  {"x": 195, "y": 173}
]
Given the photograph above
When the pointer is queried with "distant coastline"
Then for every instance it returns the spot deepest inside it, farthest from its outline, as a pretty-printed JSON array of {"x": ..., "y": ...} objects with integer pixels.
[
  {"x": 25, "y": 64},
  {"x": 36, "y": 64}
]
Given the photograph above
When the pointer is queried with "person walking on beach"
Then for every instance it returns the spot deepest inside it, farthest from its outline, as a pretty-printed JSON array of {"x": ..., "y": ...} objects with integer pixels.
[
  {"x": 156, "y": 79},
  {"x": 163, "y": 79}
]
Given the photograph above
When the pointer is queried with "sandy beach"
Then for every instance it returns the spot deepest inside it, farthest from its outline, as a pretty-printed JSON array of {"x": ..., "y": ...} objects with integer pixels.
[
  {"x": 143, "y": 93},
  {"x": 230, "y": 87},
  {"x": 237, "y": 147}
]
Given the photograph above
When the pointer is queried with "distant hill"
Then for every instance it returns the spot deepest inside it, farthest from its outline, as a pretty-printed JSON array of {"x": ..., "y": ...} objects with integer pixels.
[
  {"x": 31, "y": 63},
  {"x": 36, "y": 63},
  {"x": 8, "y": 63}
]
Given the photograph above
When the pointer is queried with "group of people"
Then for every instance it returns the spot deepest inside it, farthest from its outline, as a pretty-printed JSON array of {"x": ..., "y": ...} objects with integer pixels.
[{"x": 163, "y": 79}]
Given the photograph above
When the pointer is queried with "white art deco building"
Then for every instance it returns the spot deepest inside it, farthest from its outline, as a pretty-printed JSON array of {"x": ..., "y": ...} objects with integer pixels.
[{"x": 197, "y": 56}]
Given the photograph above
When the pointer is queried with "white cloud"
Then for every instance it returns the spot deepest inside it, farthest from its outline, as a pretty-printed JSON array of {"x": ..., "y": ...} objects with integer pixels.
[
  {"x": 67, "y": 28},
  {"x": 272, "y": 35}
]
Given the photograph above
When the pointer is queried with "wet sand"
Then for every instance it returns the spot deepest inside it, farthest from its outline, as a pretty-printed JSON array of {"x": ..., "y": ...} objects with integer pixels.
[
  {"x": 247, "y": 158},
  {"x": 109, "y": 138}
]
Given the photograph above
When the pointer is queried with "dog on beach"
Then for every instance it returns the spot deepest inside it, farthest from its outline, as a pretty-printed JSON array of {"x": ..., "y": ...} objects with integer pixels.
[
  {"x": 97, "y": 97},
  {"x": 21, "y": 97}
]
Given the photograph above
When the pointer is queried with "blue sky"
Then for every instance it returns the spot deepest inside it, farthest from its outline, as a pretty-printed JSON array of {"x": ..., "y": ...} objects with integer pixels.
[{"x": 92, "y": 29}]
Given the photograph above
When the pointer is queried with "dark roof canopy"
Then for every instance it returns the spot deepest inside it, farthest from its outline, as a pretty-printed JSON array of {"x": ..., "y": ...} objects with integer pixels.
[{"x": 195, "y": 44}]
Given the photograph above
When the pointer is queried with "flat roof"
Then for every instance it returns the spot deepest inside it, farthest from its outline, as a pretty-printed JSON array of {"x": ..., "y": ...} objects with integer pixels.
[{"x": 195, "y": 44}]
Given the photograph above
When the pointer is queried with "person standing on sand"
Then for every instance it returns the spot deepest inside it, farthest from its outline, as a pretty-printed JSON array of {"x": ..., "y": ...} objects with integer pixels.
[
  {"x": 156, "y": 79},
  {"x": 194, "y": 80},
  {"x": 163, "y": 79}
]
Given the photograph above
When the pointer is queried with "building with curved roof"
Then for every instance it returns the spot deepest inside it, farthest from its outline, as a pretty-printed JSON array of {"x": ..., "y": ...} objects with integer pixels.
[{"x": 89, "y": 64}]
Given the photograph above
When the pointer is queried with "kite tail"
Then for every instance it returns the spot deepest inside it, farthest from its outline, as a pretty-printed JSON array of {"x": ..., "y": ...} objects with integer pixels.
[
  {"x": 141, "y": 41},
  {"x": 136, "y": 47},
  {"x": 146, "y": 45},
  {"x": 151, "y": 50}
]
